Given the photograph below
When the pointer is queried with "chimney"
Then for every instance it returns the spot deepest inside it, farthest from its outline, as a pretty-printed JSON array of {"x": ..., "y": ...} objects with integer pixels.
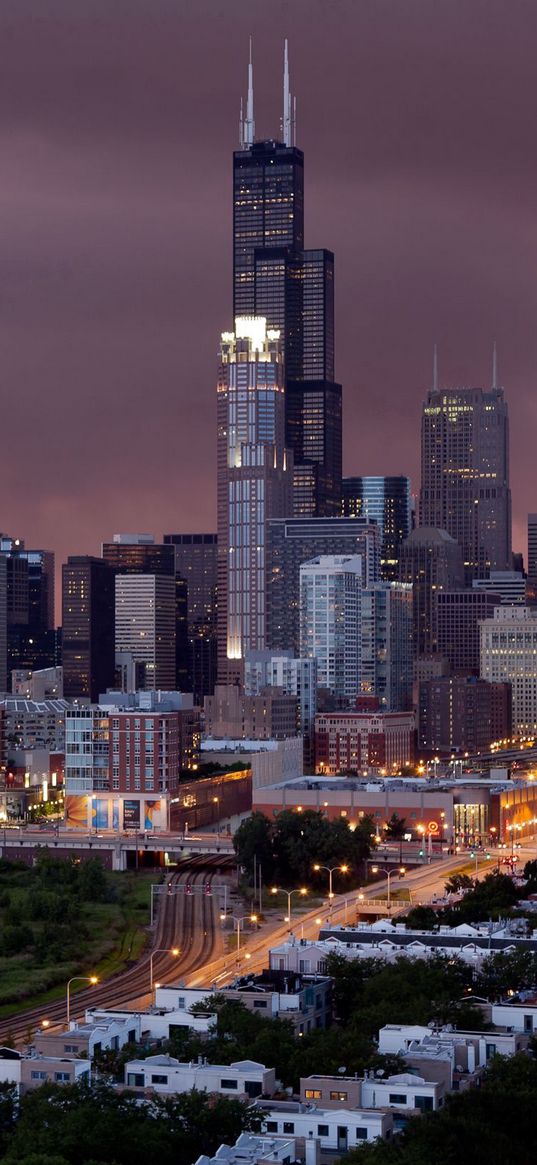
[{"x": 312, "y": 1150}]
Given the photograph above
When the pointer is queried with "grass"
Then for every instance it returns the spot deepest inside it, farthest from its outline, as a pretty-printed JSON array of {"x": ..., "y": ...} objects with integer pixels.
[{"x": 109, "y": 936}]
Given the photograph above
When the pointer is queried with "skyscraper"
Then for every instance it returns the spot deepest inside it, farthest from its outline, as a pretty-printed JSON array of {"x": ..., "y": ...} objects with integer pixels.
[
  {"x": 274, "y": 277},
  {"x": 145, "y": 625},
  {"x": 532, "y": 546},
  {"x": 139, "y": 554},
  {"x": 196, "y": 561},
  {"x": 465, "y": 474},
  {"x": 385, "y": 500},
  {"x": 330, "y": 621},
  {"x": 387, "y": 645},
  {"x": 88, "y": 627},
  {"x": 31, "y": 642},
  {"x": 292, "y": 541},
  {"x": 254, "y": 483},
  {"x": 432, "y": 561}
]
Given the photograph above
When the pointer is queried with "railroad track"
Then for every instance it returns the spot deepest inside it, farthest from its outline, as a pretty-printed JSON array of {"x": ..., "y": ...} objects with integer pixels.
[{"x": 185, "y": 921}]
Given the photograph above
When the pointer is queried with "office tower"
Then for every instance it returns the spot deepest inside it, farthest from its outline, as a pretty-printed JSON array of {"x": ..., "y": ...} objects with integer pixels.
[
  {"x": 254, "y": 483},
  {"x": 330, "y": 621},
  {"x": 196, "y": 561},
  {"x": 465, "y": 474},
  {"x": 463, "y": 714},
  {"x": 274, "y": 277},
  {"x": 510, "y": 585},
  {"x": 139, "y": 554},
  {"x": 145, "y": 625},
  {"x": 509, "y": 655},
  {"x": 458, "y": 616},
  {"x": 88, "y": 627},
  {"x": 295, "y": 677},
  {"x": 3, "y": 623},
  {"x": 31, "y": 641},
  {"x": 387, "y": 647},
  {"x": 532, "y": 546},
  {"x": 386, "y": 501},
  {"x": 432, "y": 561},
  {"x": 292, "y": 541}
]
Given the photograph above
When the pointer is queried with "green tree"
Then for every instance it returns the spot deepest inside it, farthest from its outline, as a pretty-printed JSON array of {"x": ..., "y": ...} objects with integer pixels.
[{"x": 254, "y": 839}]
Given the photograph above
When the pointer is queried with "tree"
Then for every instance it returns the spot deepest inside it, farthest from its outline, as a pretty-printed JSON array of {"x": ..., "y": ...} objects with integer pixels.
[
  {"x": 254, "y": 840},
  {"x": 395, "y": 830},
  {"x": 458, "y": 882},
  {"x": 421, "y": 918}
]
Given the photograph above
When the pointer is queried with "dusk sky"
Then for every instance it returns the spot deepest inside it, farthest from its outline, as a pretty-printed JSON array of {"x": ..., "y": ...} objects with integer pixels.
[{"x": 118, "y": 118}]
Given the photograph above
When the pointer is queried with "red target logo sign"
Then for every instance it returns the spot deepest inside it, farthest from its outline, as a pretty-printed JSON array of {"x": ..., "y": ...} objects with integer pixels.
[{"x": 433, "y": 827}]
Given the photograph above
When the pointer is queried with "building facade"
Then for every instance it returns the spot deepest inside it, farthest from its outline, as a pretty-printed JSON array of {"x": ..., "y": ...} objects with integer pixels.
[
  {"x": 510, "y": 585},
  {"x": 465, "y": 474},
  {"x": 349, "y": 742},
  {"x": 463, "y": 714},
  {"x": 330, "y": 621},
  {"x": 432, "y": 561},
  {"x": 292, "y": 542},
  {"x": 270, "y": 714},
  {"x": 254, "y": 483},
  {"x": 295, "y": 677},
  {"x": 145, "y": 620},
  {"x": 196, "y": 561},
  {"x": 386, "y": 501},
  {"x": 509, "y": 655},
  {"x": 88, "y": 615},
  {"x": 387, "y": 644},
  {"x": 458, "y": 615}
]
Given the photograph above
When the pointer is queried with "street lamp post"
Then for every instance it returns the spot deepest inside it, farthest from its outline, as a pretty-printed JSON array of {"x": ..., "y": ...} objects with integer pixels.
[
  {"x": 331, "y": 870},
  {"x": 77, "y": 979},
  {"x": 277, "y": 890},
  {"x": 160, "y": 951},
  {"x": 237, "y": 923},
  {"x": 397, "y": 870}
]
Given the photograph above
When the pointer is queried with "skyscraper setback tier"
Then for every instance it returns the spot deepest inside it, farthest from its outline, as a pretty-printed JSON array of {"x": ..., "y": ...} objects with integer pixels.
[
  {"x": 274, "y": 277},
  {"x": 254, "y": 484},
  {"x": 465, "y": 475}
]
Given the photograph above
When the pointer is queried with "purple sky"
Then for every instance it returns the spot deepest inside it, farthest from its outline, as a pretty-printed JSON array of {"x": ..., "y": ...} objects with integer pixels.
[{"x": 118, "y": 121}]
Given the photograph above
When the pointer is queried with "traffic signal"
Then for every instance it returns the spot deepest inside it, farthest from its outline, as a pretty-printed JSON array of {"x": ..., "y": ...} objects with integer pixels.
[
  {"x": 420, "y": 853},
  {"x": 207, "y": 888},
  {"x": 188, "y": 889}
]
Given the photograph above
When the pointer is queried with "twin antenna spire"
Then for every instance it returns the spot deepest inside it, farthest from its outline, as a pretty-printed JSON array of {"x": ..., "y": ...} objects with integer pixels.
[
  {"x": 494, "y": 367},
  {"x": 247, "y": 124}
]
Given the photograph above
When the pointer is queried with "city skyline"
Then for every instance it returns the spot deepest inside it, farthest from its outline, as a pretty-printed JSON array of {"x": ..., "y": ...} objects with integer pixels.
[{"x": 107, "y": 306}]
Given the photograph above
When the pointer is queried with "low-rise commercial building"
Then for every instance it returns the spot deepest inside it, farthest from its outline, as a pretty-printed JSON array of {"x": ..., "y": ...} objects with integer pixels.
[{"x": 349, "y": 742}]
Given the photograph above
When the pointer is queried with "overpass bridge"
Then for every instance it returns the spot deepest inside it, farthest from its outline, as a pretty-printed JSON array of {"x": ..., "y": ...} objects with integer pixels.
[{"x": 118, "y": 851}]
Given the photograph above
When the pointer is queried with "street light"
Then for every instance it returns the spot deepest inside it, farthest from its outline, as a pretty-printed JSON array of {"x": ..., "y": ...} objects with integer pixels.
[
  {"x": 237, "y": 921},
  {"x": 160, "y": 951},
  {"x": 78, "y": 979},
  {"x": 302, "y": 891},
  {"x": 397, "y": 870},
  {"x": 330, "y": 870}
]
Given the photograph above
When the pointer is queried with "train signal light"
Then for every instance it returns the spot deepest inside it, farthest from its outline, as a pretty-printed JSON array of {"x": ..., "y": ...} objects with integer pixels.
[{"x": 188, "y": 888}]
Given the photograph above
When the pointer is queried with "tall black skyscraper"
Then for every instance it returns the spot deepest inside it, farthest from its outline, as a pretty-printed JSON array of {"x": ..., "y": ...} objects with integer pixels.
[
  {"x": 387, "y": 501},
  {"x": 273, "y": 276}
]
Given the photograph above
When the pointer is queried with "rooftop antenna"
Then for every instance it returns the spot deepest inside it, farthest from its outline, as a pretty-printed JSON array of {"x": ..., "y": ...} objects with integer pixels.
[
  {"x": 435, "y": 369},
  {"x": 494, "y": 366},
  {"x": 287, "y": 122},
  {"x": 249, "y": 123}
]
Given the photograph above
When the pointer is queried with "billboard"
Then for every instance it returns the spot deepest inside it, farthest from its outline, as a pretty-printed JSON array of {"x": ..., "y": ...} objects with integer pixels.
[
  {"x": 76, "y": 811},
  {"x": 131, "y": 815},
  {"x": 152, "y": 810},
  {"x": 99, "y": 814}
]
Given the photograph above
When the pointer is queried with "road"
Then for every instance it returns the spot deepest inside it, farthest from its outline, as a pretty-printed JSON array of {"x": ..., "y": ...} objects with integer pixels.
[{"x": 191, "y": 922}]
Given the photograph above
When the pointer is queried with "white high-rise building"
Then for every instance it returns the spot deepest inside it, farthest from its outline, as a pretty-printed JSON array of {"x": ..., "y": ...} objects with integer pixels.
[
  {"x": 509, "y": 654},
  {"x": 330, "y": 621},
  {"x": 145, "y": 625}
]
